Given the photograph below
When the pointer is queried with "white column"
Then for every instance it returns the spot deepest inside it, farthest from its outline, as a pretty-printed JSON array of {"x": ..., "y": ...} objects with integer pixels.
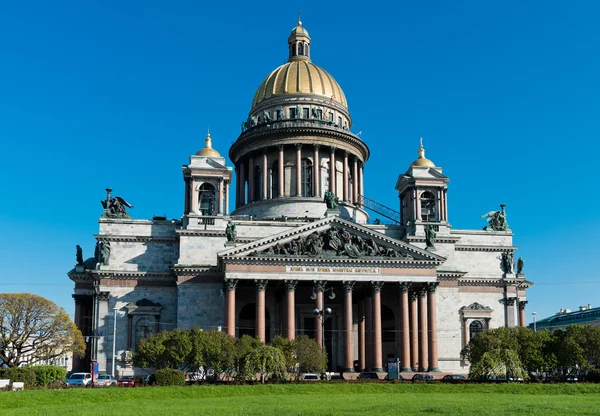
[
  {"x": 316, "y": 171},
  {"x": 220, "y": 207},
  {"x": 227, "y": 197}
]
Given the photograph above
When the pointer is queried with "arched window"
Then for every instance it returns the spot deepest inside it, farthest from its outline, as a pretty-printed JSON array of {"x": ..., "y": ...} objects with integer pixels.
[
  {"x": 257, "y": 183},
  {"x": 142, "y": 329},
  {"x": 293, "y": 49},
  {"x": 207, "y": 199},
  {"x": 307, "y": 178},
  {"x": 300, "y": 49},
  {"x": 428, "y": 206},
  {"x": 275, "y": 179},
  {"x": 325, "y": 176},
  {"x": 475, "y": 328}
]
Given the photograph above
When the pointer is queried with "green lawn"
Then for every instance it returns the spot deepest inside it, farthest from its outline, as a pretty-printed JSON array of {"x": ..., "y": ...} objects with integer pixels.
[{"x": 311, "y": 399}]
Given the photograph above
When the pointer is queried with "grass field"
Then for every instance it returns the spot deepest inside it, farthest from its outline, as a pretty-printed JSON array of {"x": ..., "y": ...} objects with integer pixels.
[{"x": 311, "y": 399}]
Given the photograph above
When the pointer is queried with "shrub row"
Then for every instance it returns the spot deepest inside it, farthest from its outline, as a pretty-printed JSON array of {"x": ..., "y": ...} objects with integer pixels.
[
  {"x": 41, "y": 376},
  {"x": 169, "y": 377}
]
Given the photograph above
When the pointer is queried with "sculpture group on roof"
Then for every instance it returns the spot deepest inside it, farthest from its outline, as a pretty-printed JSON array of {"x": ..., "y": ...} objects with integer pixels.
[
  {"x": 496, "y": 220},
  {"x": 114, "y": 206}
]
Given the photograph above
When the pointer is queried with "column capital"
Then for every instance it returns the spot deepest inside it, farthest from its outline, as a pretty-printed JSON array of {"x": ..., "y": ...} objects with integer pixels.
[
  {"x": 104, "y": 296},
  {"x": 316, "y": 146},
  {"x": 422, "y": 291},
  {"x": 413, "y": 295},
  {"x": 290, "y": 285},
  {"x": 221, "y": 179},
  {"x": 376, "y": 286},
  {"x": 348, "y": 285},
  {"x": 265, "y": 151},
  {"x": 230, "y": 284},
  {"x": 346, "y": 153},
  {"x": 261, "y": 284},
  {"x": 522, "y": 304},
  {"x": 431, "y": 287},
  {"x": 404, "y": 286},
  {"x": 319, "y": 285},
  {"x": 298, "y": 146},
  {"x": 510, "y": 301},
  {"x": 332, "y": 149},
  {"x": 280, "y": 146}
]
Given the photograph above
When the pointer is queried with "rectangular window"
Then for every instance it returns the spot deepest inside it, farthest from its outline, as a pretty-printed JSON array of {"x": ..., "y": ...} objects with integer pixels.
[
  {"x": 305, "y": 113},
  {"x": 339, "y": 122},
  {"x": 292, "y": 113}
]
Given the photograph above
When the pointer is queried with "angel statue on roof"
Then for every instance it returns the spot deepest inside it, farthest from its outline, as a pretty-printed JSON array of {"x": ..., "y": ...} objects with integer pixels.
[
  {"x": 114, "y": 206},
  {"x": 496, "y": 220}
]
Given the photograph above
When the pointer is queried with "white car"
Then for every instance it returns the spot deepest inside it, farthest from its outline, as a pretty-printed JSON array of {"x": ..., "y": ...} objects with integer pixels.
[
  {"x": 79, "y": 379},
  {"x": 309, "y": 377},
  {"x": 105, "y": 380}
]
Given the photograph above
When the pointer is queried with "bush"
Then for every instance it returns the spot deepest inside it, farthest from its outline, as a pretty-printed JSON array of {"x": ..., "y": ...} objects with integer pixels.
[
  {"x": 48, "y": 374},
  {"x": 169, "y": 377},
  {"x": 21, "y": 374}
]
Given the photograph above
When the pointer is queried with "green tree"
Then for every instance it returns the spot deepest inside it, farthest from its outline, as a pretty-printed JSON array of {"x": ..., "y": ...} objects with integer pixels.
[
  {"x": 266, "y": 360},
  {"x": 167, "y": 349},
  {"x": 285, "y": 345},
  {"x": 33, "y": 328},
  {"x": 243, "y": 348},
  {"x": 311, "y": 358}
]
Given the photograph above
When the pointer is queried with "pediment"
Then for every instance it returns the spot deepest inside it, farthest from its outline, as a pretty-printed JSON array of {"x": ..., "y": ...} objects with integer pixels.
[
  {"x": 199, "y": 162},
  {"x": 331, "y": 238}
]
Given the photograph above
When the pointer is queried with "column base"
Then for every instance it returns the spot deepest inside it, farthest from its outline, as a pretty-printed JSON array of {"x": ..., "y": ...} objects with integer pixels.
[
  {"x": 348, "y": 370},
  {"x": 378, "y": 369},
  {"x": 434, "y": 369},
  {"x": 423, "y": 370},
  {"x": 406, "y": 370}
]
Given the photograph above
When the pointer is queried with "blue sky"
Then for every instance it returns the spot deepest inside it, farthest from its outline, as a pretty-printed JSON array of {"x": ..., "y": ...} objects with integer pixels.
[{"x": 119, "y": 94}]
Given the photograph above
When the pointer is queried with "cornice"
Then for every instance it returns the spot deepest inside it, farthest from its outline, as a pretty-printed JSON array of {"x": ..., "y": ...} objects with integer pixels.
[
  {"x": 502, "y": 249},
  {"x": 309, "y": 261},
  {"x": 438, "y": 239},
  {"x": 136, "y": 238}
]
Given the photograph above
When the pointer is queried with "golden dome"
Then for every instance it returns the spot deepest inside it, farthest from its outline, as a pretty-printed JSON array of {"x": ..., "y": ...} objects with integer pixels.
[
  {"x": 422, "y": 160},
  {"x": 299, "y": 77},
  {"x": 208, "y": 151}
]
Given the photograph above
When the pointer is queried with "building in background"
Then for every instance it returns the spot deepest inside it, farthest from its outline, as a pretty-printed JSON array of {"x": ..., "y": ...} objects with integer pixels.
[
  {"x": 300, "y": 238},
  {"x": 586, "y": 315}
]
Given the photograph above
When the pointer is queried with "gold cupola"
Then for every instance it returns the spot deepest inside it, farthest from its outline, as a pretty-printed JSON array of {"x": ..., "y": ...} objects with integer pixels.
[
  {"x": 422, "y": 160},
  {"x": 299, "y": 76},
  {"x": 208, "y": 151}
]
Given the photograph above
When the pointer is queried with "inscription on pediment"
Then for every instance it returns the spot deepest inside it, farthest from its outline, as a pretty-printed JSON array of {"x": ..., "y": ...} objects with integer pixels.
[{"x": 334, "y": 242}]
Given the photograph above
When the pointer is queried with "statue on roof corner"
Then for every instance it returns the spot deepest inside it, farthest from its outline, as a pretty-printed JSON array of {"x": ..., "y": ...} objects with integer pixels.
[
  {"x": 430, "y": 238},
  {"x": 496, "y": 220},
  {"x": 114, "y": 206},
  {"x": 230, "y": 232},
  {"x": 79, "y": 254},
  {"x": 331, "y": 200},
  {"x": 520, "y": 264}
]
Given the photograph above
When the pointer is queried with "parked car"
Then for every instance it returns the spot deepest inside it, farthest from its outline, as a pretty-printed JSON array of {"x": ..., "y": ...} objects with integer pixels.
[
  {"x": 150, "y": 379},
  {"x": 126, "y": 381},
  {"x": 79, "y": 379},
  {"x": 337, "y": 377},
  {"x": 105, "y": 380},
  {"x": 422, "y": 377},
  {"x": 454, "y": 378},
  {"x": 368, "y": 375},
  {"x": 195, "y": 376},
  {"x": 309, "y": 377}
]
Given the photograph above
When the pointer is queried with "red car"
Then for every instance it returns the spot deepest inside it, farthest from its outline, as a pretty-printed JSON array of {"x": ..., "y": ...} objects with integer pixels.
[{"x": 126, "y": 381}]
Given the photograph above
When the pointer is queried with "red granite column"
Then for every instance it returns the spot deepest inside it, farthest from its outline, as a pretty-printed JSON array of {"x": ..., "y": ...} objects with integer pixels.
[
  {"x": 319, "y": 288},
  {"x": 414, "y": 332},
  {"x": 355, "y": 181},
  {"x": 432, "y": 326},
  {"x": 423, "y": 341},
  {"x": 369, "y": 332},
  {"x": 332, "y": 174},
  {"x": 265, "y": 176},
  {"x": 377, "y": 344},
  {"x": 220, "y": 207},
  {"x": 251, "y": 181},
  {"x": 316, "y": 172},
  {"x": 290, "y": 286},
  {"x": 242, "y": 189},
  {"x": 345, "y": 175},
  {"x": 260, "y": 309},
  {"x": 226, "y": 197},
  {"x": 361, "y": 335},
  {"x": 522, "y": 304},
  {"x": 230, "y": 286},
  {"x": 299, "y": 169},
  {"x": 348, "y": 350},
  {"x": 281, "y": 172},
  {"x": 404, "y": 328}
]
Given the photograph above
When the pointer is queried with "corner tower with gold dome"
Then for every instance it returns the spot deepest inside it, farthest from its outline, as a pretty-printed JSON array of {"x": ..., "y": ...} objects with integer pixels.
[{"x": 297, "y": 144}]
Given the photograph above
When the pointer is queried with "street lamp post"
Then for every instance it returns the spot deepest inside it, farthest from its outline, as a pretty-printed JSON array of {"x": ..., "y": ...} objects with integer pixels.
[
  {"x": 322, "y": 315},
  {"x": 114, "y": 352},
  {"x": 534, "y": 323}
]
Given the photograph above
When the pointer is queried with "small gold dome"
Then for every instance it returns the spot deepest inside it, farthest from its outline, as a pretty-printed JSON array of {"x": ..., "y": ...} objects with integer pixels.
[
  {"x": 208, "y": 151},
  {"x": 299, "y": 77},
  {"x": 422, "y": 160}
]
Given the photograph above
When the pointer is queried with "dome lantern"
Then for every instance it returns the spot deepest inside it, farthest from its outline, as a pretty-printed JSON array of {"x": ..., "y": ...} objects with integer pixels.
[
  {"x": 422, "y": 160},
  {"x": 299, "y": 43},
  {"x": 208, "y": 149}
]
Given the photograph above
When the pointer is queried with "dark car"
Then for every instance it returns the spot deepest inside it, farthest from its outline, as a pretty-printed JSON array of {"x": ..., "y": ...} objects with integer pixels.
[
  {"x": 337, "y": 377},
  {"x": 422, "y": 377},
  {"x": 454, "y": 378},
  {"x": 126, "y": 381},
  {"x": 368, "y": 375}
]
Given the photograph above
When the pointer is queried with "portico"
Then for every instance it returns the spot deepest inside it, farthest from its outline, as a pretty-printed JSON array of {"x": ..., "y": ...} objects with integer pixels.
[{"x": 288, "y": 274}]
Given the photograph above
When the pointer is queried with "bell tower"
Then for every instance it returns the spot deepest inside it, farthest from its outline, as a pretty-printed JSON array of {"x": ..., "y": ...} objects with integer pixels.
[{"x": 422, "y": 191}]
